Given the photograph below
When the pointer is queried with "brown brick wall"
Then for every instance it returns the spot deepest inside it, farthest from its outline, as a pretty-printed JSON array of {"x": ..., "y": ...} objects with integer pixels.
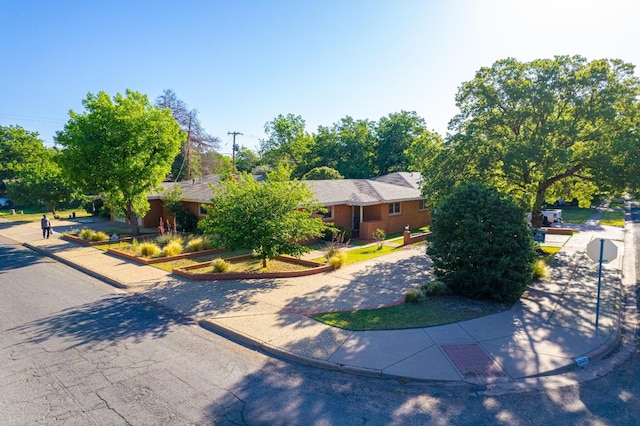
[{"x": 409, "y": 214}]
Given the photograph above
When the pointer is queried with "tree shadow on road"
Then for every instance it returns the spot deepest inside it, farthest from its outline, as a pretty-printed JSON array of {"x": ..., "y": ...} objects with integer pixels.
[
  {"x": 112, "y": 319},
  {"x": 16, "y": 257}
]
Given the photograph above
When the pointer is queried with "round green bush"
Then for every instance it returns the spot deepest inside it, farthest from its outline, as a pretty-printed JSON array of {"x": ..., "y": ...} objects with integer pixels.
[{"x": 481, "y": 246}]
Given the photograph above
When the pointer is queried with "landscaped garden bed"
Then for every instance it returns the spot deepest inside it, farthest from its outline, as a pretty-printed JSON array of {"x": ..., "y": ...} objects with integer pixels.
[
  {"x": 130, "y": 255},
  {"x": 100, "y": 239},
  {"x": 280, "y": 267}
]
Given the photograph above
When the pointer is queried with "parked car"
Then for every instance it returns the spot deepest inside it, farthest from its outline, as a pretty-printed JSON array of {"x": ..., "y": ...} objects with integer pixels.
[{"x": 6, "y": 203}]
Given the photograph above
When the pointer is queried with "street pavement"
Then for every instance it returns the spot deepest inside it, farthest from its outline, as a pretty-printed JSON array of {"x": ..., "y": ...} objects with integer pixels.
[{"x": 547, "y": 338}]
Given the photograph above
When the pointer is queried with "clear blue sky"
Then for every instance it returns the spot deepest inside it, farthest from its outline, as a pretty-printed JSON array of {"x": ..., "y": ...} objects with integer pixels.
[{"x": 241, "y": 63}]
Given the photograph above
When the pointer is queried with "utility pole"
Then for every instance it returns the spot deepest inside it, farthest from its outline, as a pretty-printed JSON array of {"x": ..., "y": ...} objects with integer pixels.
[
  {"x": 233, "y": 153},
  {"x": 187, "y": 153}
]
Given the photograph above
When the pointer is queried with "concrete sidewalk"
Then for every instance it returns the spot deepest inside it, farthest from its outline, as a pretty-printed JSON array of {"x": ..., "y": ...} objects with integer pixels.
[{"x": 543, "y": 334}]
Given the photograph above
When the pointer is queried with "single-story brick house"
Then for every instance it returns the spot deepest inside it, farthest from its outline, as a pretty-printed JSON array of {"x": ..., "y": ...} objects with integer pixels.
[{"x": 388, "y": 202}]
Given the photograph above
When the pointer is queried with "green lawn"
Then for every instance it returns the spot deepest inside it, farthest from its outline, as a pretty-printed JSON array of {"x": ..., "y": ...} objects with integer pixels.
[
  {"x": 618, "y": 202},
  {"x": 428, "y": 313},
  {"x": 614, "y": 218},
  {"x": 364, "y": 253},
  {"x": 577, "y": 215},
  {"x": 34, "y": 215}
]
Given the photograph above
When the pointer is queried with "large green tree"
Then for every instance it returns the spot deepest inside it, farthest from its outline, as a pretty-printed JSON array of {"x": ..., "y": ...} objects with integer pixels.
[
  {"x": 31, "y": 170},
  {"x": 271, "y": 218},
  {"x": 246, "y": 159},
  {"x": 20, "y": 150},
  {"x": 43, "y": 181},
  {"x": 121, "y": 147},
  {"x": 561, "y": 127},
  {"x": 322, "y": 173},
  {"x": 287, "y": 143},
  {"x": 348, "y": 146},
  {"x": 394, "y": 135}
]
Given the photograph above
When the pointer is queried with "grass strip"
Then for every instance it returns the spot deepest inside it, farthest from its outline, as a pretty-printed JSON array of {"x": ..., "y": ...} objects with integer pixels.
[
  {"x": 428, "y": 313},
  {"x": 614, "y": 218}
]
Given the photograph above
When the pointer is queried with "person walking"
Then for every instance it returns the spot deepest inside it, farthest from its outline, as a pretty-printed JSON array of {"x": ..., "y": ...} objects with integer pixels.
[{"x": 45, "y": 224}]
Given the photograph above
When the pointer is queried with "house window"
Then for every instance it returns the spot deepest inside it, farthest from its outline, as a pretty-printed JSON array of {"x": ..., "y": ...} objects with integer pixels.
[
  {"x": 422, "y": 205},
  {"x": 394, "y": 208},
  {"x": 202, "y": 211},
  {"x": 329, "y": 214}
]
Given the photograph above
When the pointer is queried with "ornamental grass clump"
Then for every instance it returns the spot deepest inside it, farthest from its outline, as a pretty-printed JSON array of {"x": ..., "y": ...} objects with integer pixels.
[
  {"x": 86, "y": 234},
  {"x": 540, "y": 270},
  {"x": 413, "y": 296},
  {"x": 338, "y": 260},
  {"x": 172, "y": 248},
  {"x": 163, "y": 240},
  {"x": 149, "y": 250},
  {"x": 198, "y": 244},
  {"x": 220, "y": 265},
  {"x": 435, "y": 288},
  {"x": 99, "y": 236}
]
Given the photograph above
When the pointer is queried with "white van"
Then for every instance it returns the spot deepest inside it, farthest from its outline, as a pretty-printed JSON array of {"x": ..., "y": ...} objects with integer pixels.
[{"x": 551, "y": 216}]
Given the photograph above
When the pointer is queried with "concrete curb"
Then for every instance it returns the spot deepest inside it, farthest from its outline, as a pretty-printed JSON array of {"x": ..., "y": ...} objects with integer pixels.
[{"x": 77, "y": 267}]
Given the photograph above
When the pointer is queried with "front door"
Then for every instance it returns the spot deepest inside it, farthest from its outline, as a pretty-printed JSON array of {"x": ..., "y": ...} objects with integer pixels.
[{"x": 355, "y": 221}]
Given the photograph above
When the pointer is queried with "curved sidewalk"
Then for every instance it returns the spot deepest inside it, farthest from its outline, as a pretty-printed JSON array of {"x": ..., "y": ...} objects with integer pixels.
[{"x": 545, "y": 333}]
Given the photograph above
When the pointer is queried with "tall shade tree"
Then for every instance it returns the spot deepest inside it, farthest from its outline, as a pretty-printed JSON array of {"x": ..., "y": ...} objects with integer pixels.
[
  {"x": 394, "y": 135},
  {"x": 561, "y": 127},
  {"x": 246, "y": 159},
  {"x": 20, "y": 150},
  {"x": 121, "y": 147},
  {"x": 43, "y": 181},
  {"x": 271, "y": 218},
  {"x": 189, "y": 163},
  {"x": 347, "y": 146},
  {"x": 322, "y": 173},
  {"x": 287, "y": 143}
]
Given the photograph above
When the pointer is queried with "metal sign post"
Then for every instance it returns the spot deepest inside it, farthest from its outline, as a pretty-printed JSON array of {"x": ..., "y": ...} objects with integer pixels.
[
  {"x": 599, "y": 282},
  {"x": 602, "y": 251}
]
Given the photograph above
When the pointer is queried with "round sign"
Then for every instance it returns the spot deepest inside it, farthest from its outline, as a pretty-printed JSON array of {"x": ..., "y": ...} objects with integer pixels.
[{"x": 609, "y": 250}]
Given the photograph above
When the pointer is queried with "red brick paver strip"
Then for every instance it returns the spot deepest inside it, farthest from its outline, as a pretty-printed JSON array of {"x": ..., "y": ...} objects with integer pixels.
[{"x": 472, "y": 361}]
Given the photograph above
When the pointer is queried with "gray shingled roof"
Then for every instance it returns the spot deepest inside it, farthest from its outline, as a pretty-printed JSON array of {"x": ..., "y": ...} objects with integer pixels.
[{"x": 391, "y": 188}]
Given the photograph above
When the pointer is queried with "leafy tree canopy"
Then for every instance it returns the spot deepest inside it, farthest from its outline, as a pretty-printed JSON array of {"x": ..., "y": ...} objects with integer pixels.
[
  {"x": 394, "y": 135},
  {"x": 20, "y": 150},
  {"x": 348, "y": 146},
  {"x": 322, "y": 173},
  {"x": 561, "y": 127},
  {"x": 121, "y": 147},
  {"x": 246, "y": 159},
  {"x": 287, "y": 143},
  {"x": 43, "y": 181},
  {"x": 271, "y": 218}
]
